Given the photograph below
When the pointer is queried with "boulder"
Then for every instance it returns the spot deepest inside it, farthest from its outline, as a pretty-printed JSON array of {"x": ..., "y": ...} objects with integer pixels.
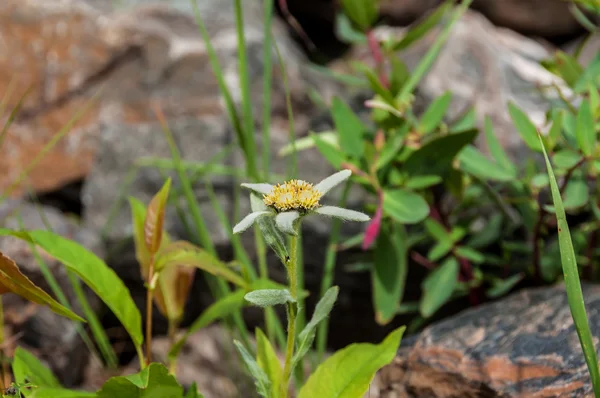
[
  {"x": 78, "y": 60},
  {"x": 524, "y": 345},
  {"x": 54, "y": 339}
]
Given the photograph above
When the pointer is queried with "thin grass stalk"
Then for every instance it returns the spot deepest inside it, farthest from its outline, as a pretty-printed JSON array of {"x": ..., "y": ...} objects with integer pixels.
[
  {"x": 3, "y": 367},
  {"x": 245, "y": 90},
  {"x": 431, "y": 55},
  {"x": 201, "y": 229},
  {"x": 12, "y": 116},
  {"x": 229, "y": 103},
  {"x": 572, "y": 282},
  {"x": 329, "y": 272},
  {"x": 267, "y": 87}
]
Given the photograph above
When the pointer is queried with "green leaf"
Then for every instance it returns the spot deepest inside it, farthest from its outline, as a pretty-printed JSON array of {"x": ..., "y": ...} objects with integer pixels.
[
  {"x": 391, "y": 149},
  {"x": 439, "y": 250},
  {"x": 399, "y": 75},
  {"x": 221, "y": 308},
  {"x": 375, "y": 82},
  {"x": 566, "y": 158},
  {"x": 13, "y": 281},
  {"x": 565, "y": 66},
  {"x": 362, "y": 12},
  {"x": 417, "y": 32},
  {"x": 470, "y": 254},
  {"x": 435, "y": 157},
  {"x": 437, "y": 230},
  {"x": 94, "y": 272},
  {"x": 303, "y": 143},
  {"x": 307, "y": 335},
  {"x": 586, "y": 131},
  {"x": 557, "y": 125},
  {"x": 572, "y": 283},
  {"x": 346, "y": 32},
  {"x": 577, "y": 194},
  {"x": 27, "y": 368},
  {"x": 474, "y": 162},
  {"x": 261, "y": 380},
  {"x": 467, "y": 122},
  {"x": 422, "y": 182},
  {"x": 405, "y": 206},
  {"x": 502, "y": 286},
  {"x": 186, "y": 254},
  {"x": 496, "y": 149},
  {"x": 524, "y": 127},
  {"x": 349, "y": 127},
  {"x": 269, "y": 297},
  {"x": 333, "y": 155},
  {"x": 268, "y": 361},
  {"x": 489, "y": 234},
  {"x": 348, "y": 372},
  {"x": 589, "y": 76},
  {"x": 434, "y": 114},
  {"x": 389, "y": 274},
  {"x": 540, "y": 181},
  {"x": 438, "y": 287},
  {"x": 59, "y": 393},
  {"x": 271, "y": 234},
  {"x": 152, "y": 382},
  {"x": 193, "y": 392}
]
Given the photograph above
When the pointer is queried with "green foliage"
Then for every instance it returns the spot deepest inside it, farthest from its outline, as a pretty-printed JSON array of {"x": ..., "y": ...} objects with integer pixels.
[
  {"x": 152, "y": 382},
  {"x": 348, "y": 372},
  {"x": 269, "y": 297}
]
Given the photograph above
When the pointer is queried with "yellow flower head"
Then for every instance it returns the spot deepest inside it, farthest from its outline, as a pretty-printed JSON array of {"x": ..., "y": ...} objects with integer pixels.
[{"x": 293, "y": 195}]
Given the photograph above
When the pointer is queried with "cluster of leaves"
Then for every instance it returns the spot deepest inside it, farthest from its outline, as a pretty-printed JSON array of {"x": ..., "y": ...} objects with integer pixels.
[{"x": 477, "y": 224}]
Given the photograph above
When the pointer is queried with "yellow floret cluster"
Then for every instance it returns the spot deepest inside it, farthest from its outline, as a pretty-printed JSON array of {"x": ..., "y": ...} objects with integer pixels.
[{"x": 293, "y": 195}]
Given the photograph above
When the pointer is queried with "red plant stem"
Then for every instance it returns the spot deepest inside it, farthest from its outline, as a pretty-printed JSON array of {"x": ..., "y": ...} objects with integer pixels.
[
  {"x": 377, "y": 57},
  {"x": 422, "y": 260}
]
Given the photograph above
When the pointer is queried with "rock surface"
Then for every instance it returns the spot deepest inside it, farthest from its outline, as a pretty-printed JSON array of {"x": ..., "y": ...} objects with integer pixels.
[
  {"x": 53, "y": 338},
  {"x": 65, "y": 51},
  {"x": 522, "y": 346}
]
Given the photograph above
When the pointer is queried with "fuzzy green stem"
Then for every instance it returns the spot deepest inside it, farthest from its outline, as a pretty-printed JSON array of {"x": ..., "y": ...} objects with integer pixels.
[
  {"x": 291, "y": 312},
  {"x": 173, "y": 325}
]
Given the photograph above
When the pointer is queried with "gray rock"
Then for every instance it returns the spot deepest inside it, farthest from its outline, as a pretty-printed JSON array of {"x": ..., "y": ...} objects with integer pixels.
[
  {"x": 524, "y": 345},
  {"x": 53, "y": 338}
]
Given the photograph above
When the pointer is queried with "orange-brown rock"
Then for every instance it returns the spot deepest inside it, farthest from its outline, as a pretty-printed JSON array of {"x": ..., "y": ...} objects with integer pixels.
[
  {"x": 73, "y": 57},
  {"x": 522, "y": 346}
]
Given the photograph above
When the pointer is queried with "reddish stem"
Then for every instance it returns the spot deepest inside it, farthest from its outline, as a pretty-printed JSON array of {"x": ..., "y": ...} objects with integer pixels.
[{"x": 377, "y": 57}]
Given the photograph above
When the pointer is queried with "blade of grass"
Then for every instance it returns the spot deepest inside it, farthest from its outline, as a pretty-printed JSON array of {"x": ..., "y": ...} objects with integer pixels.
[
  {"x": 431, "y": 55},
  {"x": 572, "y": 282},
  {"x": 200, "y": 225},
  {"x": 13, "y": 114},
  {"x": 267, "y": 83},
  {"x": 230, "y": 105},
  {"x": 245, "y": 90}
]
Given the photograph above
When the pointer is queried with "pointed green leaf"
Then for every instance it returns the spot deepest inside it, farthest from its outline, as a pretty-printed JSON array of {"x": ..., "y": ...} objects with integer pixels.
[
  {"x": 438, "y": 287},
  {"x": 27, "y": 368},
  {"x": 434, "y": 114},
  {"x": 307, "y": 335},
  {"x": 405, "y": 206},
  {"x": 261, "y": 380},
  {"x": 155, "y": 217},
  {"x": 268, "y": 361},
  {"x": 524, "y": 127},
  {"x": 474, "y": 162},
  {"x": 572, "y": 282},
  {"x": 566, "y": 158},
  {"x": 333, "y": 155},
  {"x": 437, "y": 230},
  {"x": 346, "y": 32},
  {"x": 502, "y": 286},
  {"x": 193, "y": 392},
  {"x": 47, "y": 392},
  {"x": 495, "y": 148},
  {"x": 586, "y": 131},
  {"x": 418, "y": 31},
  {"x": 303, "y": 143},
  {"x": 349, "y": 127},
  {"x": 389, "y": 275},
  {"x": 422, "y": 182},
  {"x": 94, "y": 272},
  {"x": 577, "y": 194},
  {"x": 269, "y": 297},
  {"x": 349, "y": 372},
  {"x": 152, "y": 382},
  {"x": 363, "y": 13}
]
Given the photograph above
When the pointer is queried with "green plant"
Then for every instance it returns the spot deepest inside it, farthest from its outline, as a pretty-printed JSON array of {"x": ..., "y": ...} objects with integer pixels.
[{"x": 280, "y": 213}]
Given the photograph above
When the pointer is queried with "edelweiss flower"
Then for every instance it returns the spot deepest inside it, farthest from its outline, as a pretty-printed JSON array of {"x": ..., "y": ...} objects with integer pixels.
[{"x": 294, "y": 199}]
